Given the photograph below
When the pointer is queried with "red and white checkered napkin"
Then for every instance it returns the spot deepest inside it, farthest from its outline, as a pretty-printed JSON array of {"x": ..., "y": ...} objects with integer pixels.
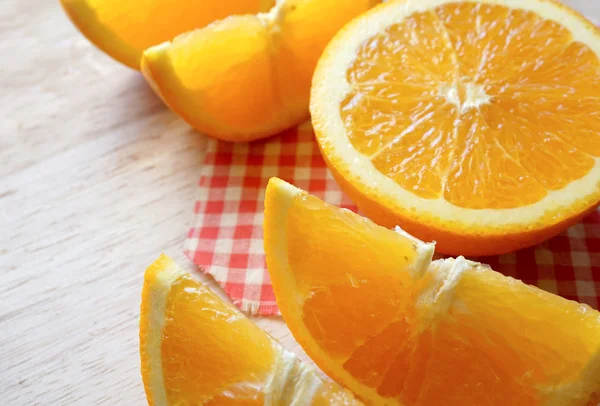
[{"x": 226, "y": 239}]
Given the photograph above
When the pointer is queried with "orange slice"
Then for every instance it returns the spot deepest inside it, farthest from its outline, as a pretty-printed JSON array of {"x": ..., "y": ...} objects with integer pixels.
[
  {"x": 124, "y": 28},
  {"x": 198, "y": 350},
  {"x": 247, "y": 77},
  {"x": 471, "y": 123},
  {"x": 366, "y": 307}
]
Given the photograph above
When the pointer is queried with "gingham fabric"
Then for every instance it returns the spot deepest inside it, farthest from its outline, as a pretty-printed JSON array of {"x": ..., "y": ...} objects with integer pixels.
[{"x": 226, "y": 239}]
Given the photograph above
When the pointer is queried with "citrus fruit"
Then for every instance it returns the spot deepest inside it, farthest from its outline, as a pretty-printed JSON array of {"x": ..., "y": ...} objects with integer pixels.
[
  {"x": 198, "y": 350},
  {"x": 247, "y": 77},
  {"x": 124, "y": 28},
  {"x": 373, "y": 313},
  {"x": 471, "y": 123}
]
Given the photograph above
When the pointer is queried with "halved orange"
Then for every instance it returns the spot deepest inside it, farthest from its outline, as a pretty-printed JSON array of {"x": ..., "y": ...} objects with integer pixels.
[
  {"x": 198, "y": 350},
  {"x": 248, "y": 77},
  {"x": 124, "y": 28},
  {"x": 370, "y": 310},
  {"x": 471, "y": 123}
]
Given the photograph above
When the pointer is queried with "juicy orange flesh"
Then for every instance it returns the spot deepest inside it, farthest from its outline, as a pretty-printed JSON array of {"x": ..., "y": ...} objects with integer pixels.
[
  {"x": 497, "y": 341},
  {"x": 550, "y": 325},
  {"x": 479, "y": 104},
  {"x": 330, "y": 311},
  {"x": 210, "y": 352},
  {"x": 144, "y": 23},
  {"x": 235, "y": 47}
]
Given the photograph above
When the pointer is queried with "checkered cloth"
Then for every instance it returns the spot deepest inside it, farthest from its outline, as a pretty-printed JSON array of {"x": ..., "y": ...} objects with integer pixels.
[{"x": 226, "y": 239}]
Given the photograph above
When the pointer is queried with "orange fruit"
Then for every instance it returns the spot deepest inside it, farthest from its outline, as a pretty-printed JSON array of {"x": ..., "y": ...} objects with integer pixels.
[
  {"x": 198, "y": 350},
  {"x": 123, "y": 29},
  {"x": 372, "y": 312},
  {"x": 471, "y": 123},
  {"x": 248, "y": 77}
]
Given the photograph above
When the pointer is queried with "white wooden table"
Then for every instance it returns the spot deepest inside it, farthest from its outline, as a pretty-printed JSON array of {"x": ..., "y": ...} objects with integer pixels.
[{"x": 96, "y": 179}]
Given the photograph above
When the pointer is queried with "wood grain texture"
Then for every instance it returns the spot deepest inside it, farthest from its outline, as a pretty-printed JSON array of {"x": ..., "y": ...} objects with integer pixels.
[{"x": 97, "y": 178}]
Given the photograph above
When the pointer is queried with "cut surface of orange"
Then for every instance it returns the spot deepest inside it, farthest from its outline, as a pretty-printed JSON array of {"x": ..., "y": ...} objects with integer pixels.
[
  {"x": 125, "y": 28},
  {"x": 198, "y": 350},
  {"x": 374, "y": 313},
  {"x": 247, "y": 77},
  {"x": 472, "y": 123}
]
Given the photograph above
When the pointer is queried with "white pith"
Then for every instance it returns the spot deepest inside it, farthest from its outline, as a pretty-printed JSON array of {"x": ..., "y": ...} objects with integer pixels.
[{"x": 475, "y": 96}]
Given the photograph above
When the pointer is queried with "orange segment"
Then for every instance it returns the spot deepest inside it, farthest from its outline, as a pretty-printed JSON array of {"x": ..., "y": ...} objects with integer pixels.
[
  {"x": 199, "y": 89},
  {"x": 371, "y": 310},
  {"x": 123, "y": 29},
  {"x": 197, "y": 349},
  {"x": 247, "y": 77},
  {"x": 464, "y": 119}
]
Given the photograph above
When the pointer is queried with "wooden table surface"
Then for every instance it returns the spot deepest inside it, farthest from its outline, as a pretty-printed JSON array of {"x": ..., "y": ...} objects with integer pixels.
[{"x": 97, "y": 178}]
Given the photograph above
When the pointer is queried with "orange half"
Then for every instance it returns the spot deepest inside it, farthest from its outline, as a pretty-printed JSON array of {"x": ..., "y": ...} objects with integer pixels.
[
  {"x": 374, "y": 313},
  {"x": 198, "y": 350},
  {"x": 471, "y": 123}
]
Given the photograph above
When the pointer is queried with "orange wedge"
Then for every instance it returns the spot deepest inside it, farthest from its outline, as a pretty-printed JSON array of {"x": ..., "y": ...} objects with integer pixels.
[
  {"x": 371, "y": 311},
  {"x": 198, "y": 350},
  {"x": 248, "y": 77},
  {"x": 471, "y": 123},
  {"x": 124, "y": 28}
]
